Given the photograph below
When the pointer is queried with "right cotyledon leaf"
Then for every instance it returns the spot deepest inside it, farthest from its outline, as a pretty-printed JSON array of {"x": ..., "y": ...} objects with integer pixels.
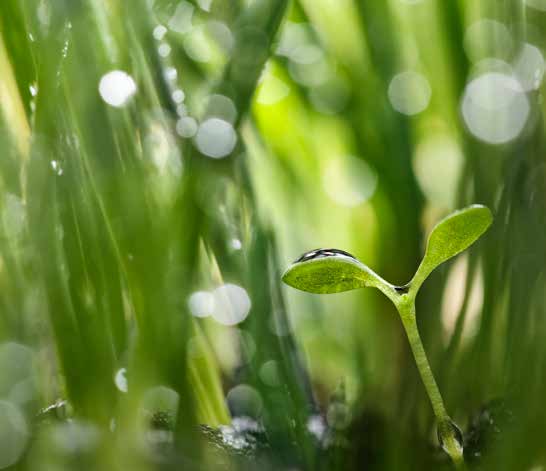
[{"x": 451, "y": 236}]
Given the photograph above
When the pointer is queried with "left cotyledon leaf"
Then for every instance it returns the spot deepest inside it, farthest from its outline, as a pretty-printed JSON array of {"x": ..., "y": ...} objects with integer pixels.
[{"x": 325, "y": 271}]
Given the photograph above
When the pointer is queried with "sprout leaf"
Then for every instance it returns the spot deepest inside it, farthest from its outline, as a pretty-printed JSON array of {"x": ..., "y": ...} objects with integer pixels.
[
  {"x": 326, "y": 271},
  {"x": 451, "y": 236}
]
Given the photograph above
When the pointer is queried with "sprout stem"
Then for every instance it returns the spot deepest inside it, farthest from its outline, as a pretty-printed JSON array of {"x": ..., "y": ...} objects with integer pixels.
[{"x": 447, "y": 433}]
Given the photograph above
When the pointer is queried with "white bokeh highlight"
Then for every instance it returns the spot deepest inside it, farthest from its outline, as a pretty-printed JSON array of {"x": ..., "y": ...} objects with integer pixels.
[
  {"x": 409, "y": 93},
  {"x": 159, "y": 32},
  {"x": 495, "y": 108},
  {"x": 216, "y": 138},
  {"x": 349, "y": 181},
  {"x": 75, "y": 437},
  {"x": 231, "y": 304},
  {"x": 269, "y": 373},
  {"x": 181, "y": 21},
  {"x": 487, "y": 38},
  {"x": 437, "y": 164},
  {"x": 222, "y": 107},
  {"x": 116, "y": 88},
  {"x": 186, "y": 126},
  {"x": 244, "y": 400},
  {"x": 120, "y": 380},
  {"x": 529, "y": 67},
  {"x": 201, "y": 303},
  {"x": 14, "y": 434}
]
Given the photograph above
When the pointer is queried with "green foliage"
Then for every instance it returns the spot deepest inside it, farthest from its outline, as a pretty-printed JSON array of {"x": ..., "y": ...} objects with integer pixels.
[
  {"x": 112, "y": 218},
  {"x": 324, "y": 272},
  {"x": 331, "y": 271},
  {"x": 451, "y": 236}
]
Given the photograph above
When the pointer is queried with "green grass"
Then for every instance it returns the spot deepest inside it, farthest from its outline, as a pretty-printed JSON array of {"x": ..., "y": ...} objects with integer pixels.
[{"x": 110, "y": 220}]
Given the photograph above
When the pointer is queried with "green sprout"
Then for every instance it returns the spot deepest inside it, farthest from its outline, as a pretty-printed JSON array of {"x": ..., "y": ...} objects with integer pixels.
[{"x": 327, "y": 271}]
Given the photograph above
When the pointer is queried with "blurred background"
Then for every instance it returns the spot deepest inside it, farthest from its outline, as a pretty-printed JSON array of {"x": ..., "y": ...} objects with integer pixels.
[{"x": 163, "y": 161}]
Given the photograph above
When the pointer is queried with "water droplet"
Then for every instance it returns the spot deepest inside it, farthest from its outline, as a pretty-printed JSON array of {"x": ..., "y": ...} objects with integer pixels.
[
  {"x": 116, "y": 88},
  {"x": 216, "y": 138},
  {"x": 121, "y": 380},
  {"x": 409, "y": 93},
  {"x": 201, "y": 304},
  {"x": 446, "y": 430},
  {"x": 56, "y": 166},
  {"x": 186, "y": 126},
  {"x": 33, "y": 89},
  {"x": 495, "y": 107},
  {"x": 231, "y": 304},
  {"x": 318, "y": 253},
  {"x": 13, "y": 434}
]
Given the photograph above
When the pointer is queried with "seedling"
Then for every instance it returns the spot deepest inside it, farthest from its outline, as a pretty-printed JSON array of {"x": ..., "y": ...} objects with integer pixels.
[{"x": 327, "y": 271}]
